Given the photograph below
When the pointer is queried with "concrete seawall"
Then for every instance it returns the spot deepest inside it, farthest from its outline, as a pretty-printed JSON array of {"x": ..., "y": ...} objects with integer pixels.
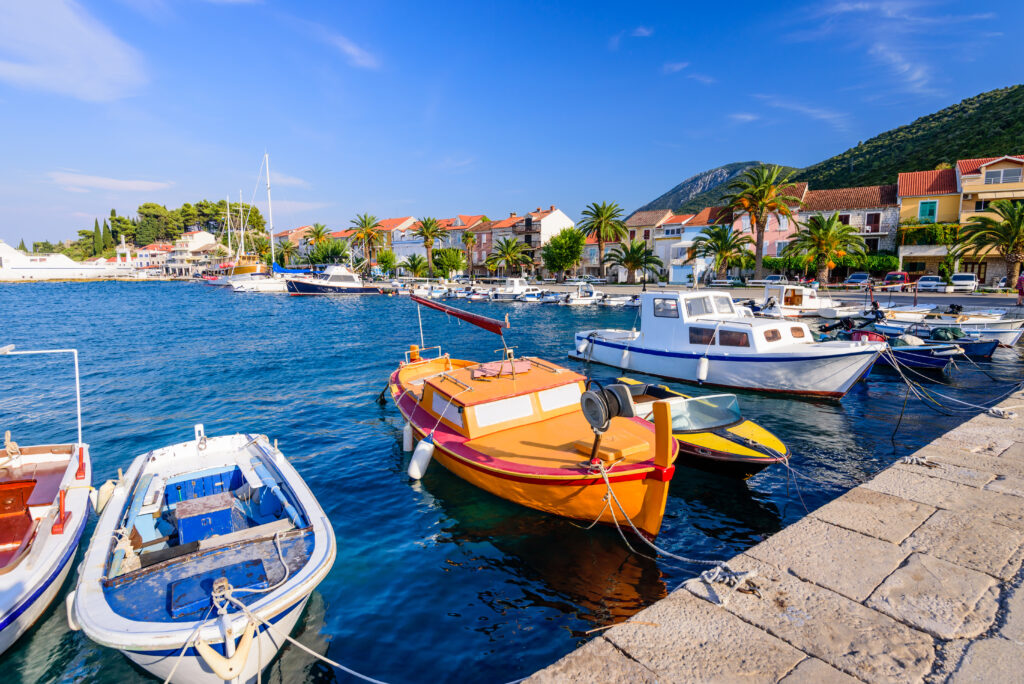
[{"x": 913, "y": 576}]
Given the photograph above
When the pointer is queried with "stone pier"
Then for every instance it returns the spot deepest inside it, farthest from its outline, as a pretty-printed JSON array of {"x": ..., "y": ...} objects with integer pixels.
[{"x": 914, "y": 576}]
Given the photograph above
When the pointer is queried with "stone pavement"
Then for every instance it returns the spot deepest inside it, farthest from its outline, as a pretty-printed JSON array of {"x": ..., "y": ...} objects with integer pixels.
[{"x": 914, "y": 576}]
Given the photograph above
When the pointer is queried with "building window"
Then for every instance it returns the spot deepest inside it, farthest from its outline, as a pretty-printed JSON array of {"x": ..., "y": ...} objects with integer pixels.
[
  {"x": 844, "y": 219},
  {"x": 1002, "y": 176},
  {"x": 647, "y": 235},
  {"x": 978, "y": 268},
  {"x": 981, "y": 205},
  {"x": 927, "y": 211},
  {"x": 914, "y": 266},
  {"x": 779, "y": 246},
  {"x": 632, "y": 235},
  {"x": 873, "y": 222},
  {"x": 871, "y": 244}
]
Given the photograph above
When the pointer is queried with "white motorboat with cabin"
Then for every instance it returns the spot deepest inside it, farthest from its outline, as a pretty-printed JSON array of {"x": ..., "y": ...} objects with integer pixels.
[
  {"x": 337, "y": 279},
  {"x": 44, "y": 507},
  {"x": 512, "y": 288},
  {"x": 794, "y": 301},
  {"x": 585, "y": 294},
  {"x": 617, "y": 300},
  {"x": 701, "y": 337},
  {"x": 203, "y": 559}
]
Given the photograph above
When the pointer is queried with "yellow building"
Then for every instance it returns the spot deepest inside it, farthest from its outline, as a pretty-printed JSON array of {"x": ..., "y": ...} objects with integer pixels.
[
  {"x": 980, "y": 181},
  {"x": 929, "y": 197}
]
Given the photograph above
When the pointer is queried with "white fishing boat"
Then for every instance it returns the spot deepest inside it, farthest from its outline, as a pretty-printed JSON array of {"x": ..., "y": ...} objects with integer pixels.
[
  {"x": 700, "y": 337},
  {"x": 44, "y": 506},
  {"x": 585, "y": 294},
  {"x": 795, "y": 301},
  {"x": 533, "y": 295},
  {"x": 1007, "y": 337},
  {"x": 512, "y": 288},
  {"x": 203, "y": 559},
  {"x": 617, "y": 300}
]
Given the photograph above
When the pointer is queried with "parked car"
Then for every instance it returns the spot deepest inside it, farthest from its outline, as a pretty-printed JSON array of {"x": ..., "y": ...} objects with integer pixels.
[
  {"x": 858, "y": 280},
  {"x": 900, "y": 279},
  {"x": 965, "y": 282},
  {"x": 930, "y": 283},
  {"x": 774, "y": 279}
]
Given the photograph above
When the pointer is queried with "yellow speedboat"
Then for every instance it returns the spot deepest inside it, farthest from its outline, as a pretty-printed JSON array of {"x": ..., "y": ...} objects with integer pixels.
[{"x": 711, "y": 432}]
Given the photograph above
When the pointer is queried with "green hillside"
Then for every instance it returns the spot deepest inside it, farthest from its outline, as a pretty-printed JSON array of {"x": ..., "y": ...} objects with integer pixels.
[{"x": 987, "y": 125}]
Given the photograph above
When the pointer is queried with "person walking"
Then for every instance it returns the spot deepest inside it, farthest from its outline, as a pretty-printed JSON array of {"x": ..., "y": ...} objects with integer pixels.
[{"x": 1020, "y": 289}]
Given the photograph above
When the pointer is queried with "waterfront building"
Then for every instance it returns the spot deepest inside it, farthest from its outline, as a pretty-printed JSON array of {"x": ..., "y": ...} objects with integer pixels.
[
  {"x": 666, "y": 234},
  {"x": 874, "y": 210},
  {"x": 980, "y": 181},
  {"x": 684, "y": 267},
  {"x": 17, "y": 265},
  {"x": 779, "y": 229},
  {"x": 192, "y": 252},
  {"x": 644, "y": 225},
  {"x": 928, "y": 197},
  {"x": 296, "y": 236}
]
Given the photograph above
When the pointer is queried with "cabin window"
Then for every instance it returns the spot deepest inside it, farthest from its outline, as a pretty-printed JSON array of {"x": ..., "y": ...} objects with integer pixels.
[
  {"x": 772, "y": 335},
  {"x": 702, "y": 335},
  {"x": 723, "y": 305},
  {"x": 666, "y": 308},
  {"x": 559, "y": 397},
  {"x": 733, "y": 338},
  {"x": 503, "y": 410},
  {"x": 796, "y": 332},
  {"x": 698, "y": 306},
  {"x": 444, "y": 408}
]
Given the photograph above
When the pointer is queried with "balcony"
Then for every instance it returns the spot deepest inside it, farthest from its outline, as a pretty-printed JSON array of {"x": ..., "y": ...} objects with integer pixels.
[{"x": 872, "y": 230}]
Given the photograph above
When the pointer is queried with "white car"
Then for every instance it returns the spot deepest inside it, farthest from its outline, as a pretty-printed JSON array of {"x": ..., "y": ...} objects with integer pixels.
[
  {"x": 930, "y": 283},
  {"x": 774, "y": 279},
  {"x": 965, "y": 282}
]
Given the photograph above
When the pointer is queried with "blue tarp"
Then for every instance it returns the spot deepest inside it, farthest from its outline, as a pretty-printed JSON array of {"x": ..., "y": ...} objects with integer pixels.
[{"x": 278, "y": 269}]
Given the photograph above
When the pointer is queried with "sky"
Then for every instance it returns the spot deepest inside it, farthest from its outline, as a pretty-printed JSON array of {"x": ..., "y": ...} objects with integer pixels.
[{"x": 436, "y": 109}]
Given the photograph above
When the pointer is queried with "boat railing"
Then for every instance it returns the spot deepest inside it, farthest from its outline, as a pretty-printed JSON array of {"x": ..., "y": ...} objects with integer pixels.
[
  {"x": 446, "y": 376},
  {"x": 420, "y": 353}
]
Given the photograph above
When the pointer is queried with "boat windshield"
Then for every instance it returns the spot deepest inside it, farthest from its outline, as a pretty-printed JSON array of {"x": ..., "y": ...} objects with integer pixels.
[{"x": 696, "y": 414}]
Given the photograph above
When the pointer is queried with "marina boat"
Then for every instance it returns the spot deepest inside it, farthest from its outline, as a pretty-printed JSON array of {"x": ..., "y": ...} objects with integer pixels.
[
  {"x": 479, "y": 294},
  {"x": 269, "y": 284},
  {"x": 701, "y": 337},
  {"x": 335, "y": 280},
  {"x": 44, "y": 507},
  {"x": 201, "y": 546},
  {"x": 794, "y": 301},
  {"x": 534, "y": 295},
  {"x": 244, "y": 267},
  {"x": 1005, "y": 337},
  {"x": 525, "y": 430},
  {"x": 712, "y": 433},
  {"x": 973, "y": 345},
  {"x": 617, "y": 300},
  {"x": 512, "y": 288},
  {"x": 904, "y": 350},
  {"x": 584, "y": 294}
]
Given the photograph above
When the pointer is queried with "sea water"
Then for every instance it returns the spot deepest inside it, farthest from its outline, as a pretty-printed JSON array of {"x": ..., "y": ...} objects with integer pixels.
[{"x": 435, "y": 580}]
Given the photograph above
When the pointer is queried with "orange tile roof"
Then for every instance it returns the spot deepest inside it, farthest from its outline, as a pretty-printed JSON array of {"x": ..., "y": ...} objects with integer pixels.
[
  {"x": 592, "y": 240},
  {"x": 471, "y": 219},
  {"x": 286, "y": 233},
  {"x": 392, "y": 223},
  {"x": 650, "y": 217},
  {"x": 926, "y": 183},
  {"x": 708, "y": 216},
  {"x": 158, "y": 247},
  {"x": 506, "y": 222},
  {"x": 970, "y": 166},
  {"x": 344, "y": 233},
  {"x": 866, "y": 197},
  {"x": 677, "y": 219}
]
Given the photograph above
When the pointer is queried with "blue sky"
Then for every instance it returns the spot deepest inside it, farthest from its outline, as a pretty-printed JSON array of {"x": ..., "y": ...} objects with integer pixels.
[{"x": 433, "y": 109}]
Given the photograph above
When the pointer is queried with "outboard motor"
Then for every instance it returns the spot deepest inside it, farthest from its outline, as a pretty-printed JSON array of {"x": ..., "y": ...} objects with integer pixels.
[
  {"x": 955, "y": 309},
  {"x": 844, "y": 323}
]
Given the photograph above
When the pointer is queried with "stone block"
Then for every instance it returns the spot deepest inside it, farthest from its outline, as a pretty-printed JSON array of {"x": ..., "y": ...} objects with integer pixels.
[
  {"x": 814, "y": 671},
  {"x": 970, "y": 542},
  {"x": 988, "y": 461},
  {"x": 596, "y": 661},
  {"x": 990, "y": 660},
  {"x": 695, "y": 641},
  {"x": 1013, "y": 624},
  {"x": 847, "y": 562},
  {"x": 885, "y": 517},
  {"x": 1007, "y": 484},
  {"x": 953, "y": 473},
  {"x": 938, "y": 597},
  {"x": 845, "y": 634}
]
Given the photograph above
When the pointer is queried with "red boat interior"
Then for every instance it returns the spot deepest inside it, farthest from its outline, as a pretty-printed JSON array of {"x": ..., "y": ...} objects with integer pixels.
[{"x": 23, "y": 487}]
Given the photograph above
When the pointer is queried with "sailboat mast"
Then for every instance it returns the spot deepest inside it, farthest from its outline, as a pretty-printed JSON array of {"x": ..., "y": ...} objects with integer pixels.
[
  {"x": 227, "y": 215},
  {"x": 241, "y": 228},
  {"x": 270, "y": 212}
]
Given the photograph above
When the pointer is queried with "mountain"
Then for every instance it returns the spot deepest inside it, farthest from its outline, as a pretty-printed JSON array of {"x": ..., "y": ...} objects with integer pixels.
[{"x": 986, "y": 125}]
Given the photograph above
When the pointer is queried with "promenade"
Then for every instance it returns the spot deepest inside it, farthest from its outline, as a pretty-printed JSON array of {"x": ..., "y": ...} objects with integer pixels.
[{"x": 914, "y": 576}]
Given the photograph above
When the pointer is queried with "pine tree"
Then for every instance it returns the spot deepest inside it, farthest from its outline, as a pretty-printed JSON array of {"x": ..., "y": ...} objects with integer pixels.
[
  {"x": 97, "y": 238},
  {"x": 108, "y": 239},
  {"x": 21, "y": 245}
]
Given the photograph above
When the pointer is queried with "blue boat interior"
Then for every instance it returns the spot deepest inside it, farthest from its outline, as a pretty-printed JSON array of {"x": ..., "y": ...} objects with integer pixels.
[{"x": 186, "y": 533}]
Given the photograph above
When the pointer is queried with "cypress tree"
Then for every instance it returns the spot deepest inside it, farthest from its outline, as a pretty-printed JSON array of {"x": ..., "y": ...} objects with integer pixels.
[
  {"x": 21, "y": 245},
  {"x": 108, "y": 239},
  {"x": 97, "y": 238}
]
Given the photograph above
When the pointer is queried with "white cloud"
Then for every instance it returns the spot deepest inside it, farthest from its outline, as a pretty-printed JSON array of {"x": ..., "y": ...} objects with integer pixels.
[
  {"x": 702, "y": 78},
  {"x": 614, "y": 41},
  {"x": 287, "y": 181},
  {"x": 916, "y": 76},
  {"x": 838, "y": 120},
  {"x": 56, "y": 46},
  {"x": 744, "y": 117},
  {"x": 642, "y": 32},
  {"x": 674, "y": 67},
  {"x": 79, "y": 182},
  {"x": 357, "y": 56},
  {"x": 455, "y": 164}
]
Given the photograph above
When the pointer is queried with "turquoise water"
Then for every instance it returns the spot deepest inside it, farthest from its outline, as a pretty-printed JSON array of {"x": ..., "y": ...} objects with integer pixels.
[{"x": 434, "y": 581}]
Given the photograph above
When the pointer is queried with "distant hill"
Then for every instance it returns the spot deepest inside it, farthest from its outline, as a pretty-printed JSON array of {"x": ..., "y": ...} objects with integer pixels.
[{"x": 987, "y": 125}]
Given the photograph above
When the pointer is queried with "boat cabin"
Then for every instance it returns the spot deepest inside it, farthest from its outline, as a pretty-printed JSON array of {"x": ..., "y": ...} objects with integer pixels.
[
  {"x": 794, "y": 296},
  {"x": 341, "y": 275},
  {"x": 711, "y": 321}
]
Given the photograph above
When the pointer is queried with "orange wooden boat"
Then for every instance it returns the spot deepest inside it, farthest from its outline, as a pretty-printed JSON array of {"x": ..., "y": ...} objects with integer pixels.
[{"x": 516, "y": 429}]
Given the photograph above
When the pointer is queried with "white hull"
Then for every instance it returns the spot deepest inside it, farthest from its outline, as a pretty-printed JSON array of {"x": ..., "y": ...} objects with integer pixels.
[
  {"x": 1006, "y": 338},
  {"x": 265, "y": 285},
  {"x": 822, "y": 371}
]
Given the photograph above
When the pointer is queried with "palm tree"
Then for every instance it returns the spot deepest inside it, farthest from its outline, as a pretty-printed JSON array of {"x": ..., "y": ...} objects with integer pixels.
[
  {"x": 508, "y": 252},
  {"x": 286, "y": 251},
  {"x": 430, "y": 231},
  {"x": 633, "y": 256},
  {"x": 368, "y": 233},
  {"x": 822, "y": 240},
  {"x": 468, "y": 243},
  {"x": 604, "y": 222},
  {"x": 415, "y": 264},
  {"x": 726, "y": 246},
  {"x": 330, "y": 252},
  {"x": 1005, "y": 235},
  {"x": 317, "y": 235},
  {"x": 761, "y": 193}
]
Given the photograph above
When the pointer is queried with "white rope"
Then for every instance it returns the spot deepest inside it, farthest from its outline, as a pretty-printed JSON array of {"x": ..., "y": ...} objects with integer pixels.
[
  {"x": 188, "y": 641},
  {"x": 918, "y": 460}
]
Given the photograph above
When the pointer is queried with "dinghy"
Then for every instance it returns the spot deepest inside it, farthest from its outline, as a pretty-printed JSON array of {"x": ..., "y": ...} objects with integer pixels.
[
  {"x": 44, "y": 505},
  {"x": 529, "y": 431},
  {"x": 202, "y": 545}
]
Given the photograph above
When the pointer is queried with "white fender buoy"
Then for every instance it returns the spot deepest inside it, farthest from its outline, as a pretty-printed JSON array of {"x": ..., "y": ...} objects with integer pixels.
[
  {"x": 421, "y": 458},
  {"x": 624, "y": 359},
  {"x": 581, "y": 346},
  {"x": 69, "y": 602},
  {"x": 407, "y": 437},
  {"x": 103, "y": 495},
  {"x": 703, "y": 365}
]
